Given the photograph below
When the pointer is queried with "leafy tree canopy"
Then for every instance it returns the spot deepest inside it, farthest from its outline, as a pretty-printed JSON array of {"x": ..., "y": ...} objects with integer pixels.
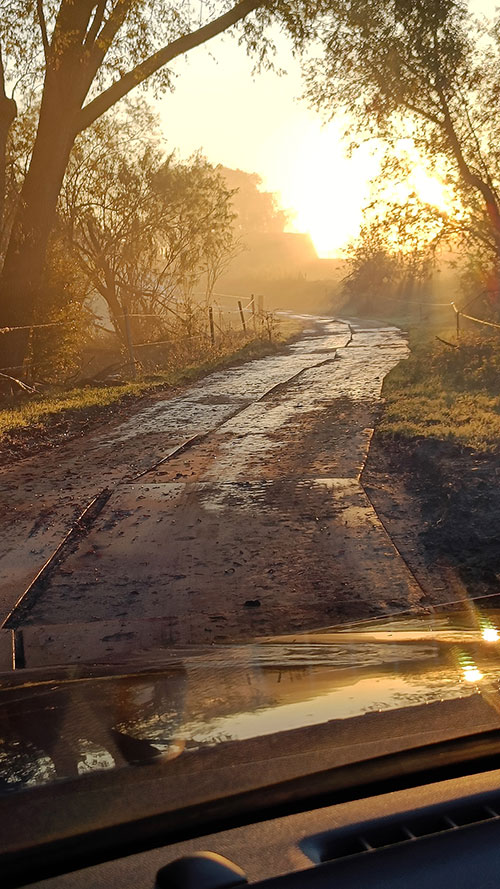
[{"x": 424, "y": 69}]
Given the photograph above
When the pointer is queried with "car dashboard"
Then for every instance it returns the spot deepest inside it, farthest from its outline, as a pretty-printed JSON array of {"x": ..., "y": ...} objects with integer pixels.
[{"x": 428, "y": 836}]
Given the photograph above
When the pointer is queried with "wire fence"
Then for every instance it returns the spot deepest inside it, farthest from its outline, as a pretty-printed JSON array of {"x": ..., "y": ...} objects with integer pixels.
[
  {"x": 459, "y": 312},
  {"x": 252, "y": 318}
]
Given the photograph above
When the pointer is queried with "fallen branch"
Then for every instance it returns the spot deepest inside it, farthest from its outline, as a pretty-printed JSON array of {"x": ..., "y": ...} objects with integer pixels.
[
  {"x": 23, "y": 386},
  {"x": 446, "y": 343},
  {"x": 100, "y": 375}
]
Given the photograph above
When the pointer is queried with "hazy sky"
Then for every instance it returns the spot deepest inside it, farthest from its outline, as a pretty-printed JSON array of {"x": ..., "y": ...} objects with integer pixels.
[{"x": 258, "y": 124}]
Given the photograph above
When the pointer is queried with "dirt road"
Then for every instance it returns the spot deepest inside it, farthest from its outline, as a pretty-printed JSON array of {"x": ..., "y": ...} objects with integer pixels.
[{"x": 258, "y": 526}]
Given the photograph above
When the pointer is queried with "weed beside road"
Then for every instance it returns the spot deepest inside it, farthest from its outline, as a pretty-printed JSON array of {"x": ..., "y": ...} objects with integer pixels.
[{"x": 434, "y": 465}]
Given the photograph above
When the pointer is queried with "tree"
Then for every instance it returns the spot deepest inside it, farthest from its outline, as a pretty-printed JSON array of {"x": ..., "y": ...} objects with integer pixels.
[
  {"x": 373, "y": 270},
  {"x": 221, "y": 245},
  {"x": 94, "y": 52},
  {"x": 56, "y": 352},
  {"x": 142, "y": 226},
  {"x": 424, "y": 69},
  {"x": 256, "y": 210},
  {"x": 385, "y": 263}
]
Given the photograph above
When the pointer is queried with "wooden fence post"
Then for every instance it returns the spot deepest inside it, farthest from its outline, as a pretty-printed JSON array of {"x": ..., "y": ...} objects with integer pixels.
[
  {"x": 242, "y": 315},
  {"x": 130, "y": 346},
  {"x": 269, "y": 321},
  {"x": 211, "y": 322}
]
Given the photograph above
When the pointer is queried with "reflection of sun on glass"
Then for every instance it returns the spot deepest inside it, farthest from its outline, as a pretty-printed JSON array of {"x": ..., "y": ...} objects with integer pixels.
[
  {"x": 490, "y": 634},
  {"x": 472, "y": 674}
]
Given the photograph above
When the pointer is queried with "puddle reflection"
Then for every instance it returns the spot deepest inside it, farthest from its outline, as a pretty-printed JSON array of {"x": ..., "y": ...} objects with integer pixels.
[{"x": 51, "y": 730}]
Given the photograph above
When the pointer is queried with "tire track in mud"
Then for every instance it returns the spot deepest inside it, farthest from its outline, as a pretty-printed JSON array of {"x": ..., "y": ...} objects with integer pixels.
[
  {"x": 91, "y": 511},
  {"x": 418, "y": 582},
  {"x": 426, "y": 593},
  {"x": 314, "y": 522}
]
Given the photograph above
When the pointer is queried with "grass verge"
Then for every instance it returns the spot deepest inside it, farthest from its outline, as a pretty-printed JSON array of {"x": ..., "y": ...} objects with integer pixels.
[{"x": 445, "y": 393}]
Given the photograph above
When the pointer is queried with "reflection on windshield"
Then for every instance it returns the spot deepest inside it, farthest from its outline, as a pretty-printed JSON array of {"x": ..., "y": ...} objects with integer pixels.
[
  {"x": 249, "y": 377},
  {"x": 73, "y": 726},
  {"x": 57, "y": 730}
]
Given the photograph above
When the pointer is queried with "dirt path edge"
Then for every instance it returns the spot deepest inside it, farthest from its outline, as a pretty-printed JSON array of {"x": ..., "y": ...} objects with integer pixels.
[{"x": 440, "y": 503}]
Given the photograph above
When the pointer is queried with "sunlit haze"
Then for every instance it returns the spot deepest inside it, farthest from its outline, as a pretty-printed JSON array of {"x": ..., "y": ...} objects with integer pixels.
[
  {"x": 249, "y": 442},
  {"x": 258, "y": 124}
]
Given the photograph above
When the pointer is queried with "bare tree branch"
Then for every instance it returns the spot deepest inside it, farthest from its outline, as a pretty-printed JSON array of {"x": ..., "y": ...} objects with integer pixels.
[
  {"x": 98, "y": 106},
  {"x": 96, "y": 23},
  {"x": 3, "y": 94},
  {"x": 109, "y": 31},
  {"x": 43, "y": 29}
]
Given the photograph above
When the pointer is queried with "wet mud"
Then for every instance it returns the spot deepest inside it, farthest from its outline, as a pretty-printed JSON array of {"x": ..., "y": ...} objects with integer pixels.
[
  {"x": 441, "y": 505},
  {"x": 260, "y": 527},
  {"x": 41, "y": 496}
]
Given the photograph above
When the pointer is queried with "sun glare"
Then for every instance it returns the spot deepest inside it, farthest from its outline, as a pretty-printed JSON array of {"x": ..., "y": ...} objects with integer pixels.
[
  {"x": 429, "y": 189},
  {"x": 472, "y": 674},
  {"x": 328, "y": 190}
]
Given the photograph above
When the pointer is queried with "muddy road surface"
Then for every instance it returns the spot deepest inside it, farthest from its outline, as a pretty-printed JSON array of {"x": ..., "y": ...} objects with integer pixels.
[{"x": 232, "y": 511}]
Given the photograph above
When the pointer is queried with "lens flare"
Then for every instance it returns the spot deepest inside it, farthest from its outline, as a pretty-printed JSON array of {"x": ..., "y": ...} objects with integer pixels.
[{"x": 472, "y": 674}]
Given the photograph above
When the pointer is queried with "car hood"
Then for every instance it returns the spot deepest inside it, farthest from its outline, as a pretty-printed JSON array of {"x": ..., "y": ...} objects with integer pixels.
[{"x": 292, "y": 702}]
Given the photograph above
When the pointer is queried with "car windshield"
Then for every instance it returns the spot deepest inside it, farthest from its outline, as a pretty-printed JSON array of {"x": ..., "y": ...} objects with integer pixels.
[{"x": 249, "y": 388}]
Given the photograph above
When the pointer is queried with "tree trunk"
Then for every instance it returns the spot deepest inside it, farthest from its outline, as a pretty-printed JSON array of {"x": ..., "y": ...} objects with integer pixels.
[
  {"x": 63, "y": 93},
  {"x": 110, "y": 295},
  {"x": 21, "y": 275},
  {"x": 470, "y": 177},
  {"x": 8, "y": 113},
  {"x": 72, "y": 63}
]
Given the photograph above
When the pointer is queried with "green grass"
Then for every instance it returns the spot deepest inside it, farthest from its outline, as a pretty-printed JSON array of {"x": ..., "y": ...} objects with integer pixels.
[
  {"x": 445, "y": 393},
  {"x": 39, "y": 410}
]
